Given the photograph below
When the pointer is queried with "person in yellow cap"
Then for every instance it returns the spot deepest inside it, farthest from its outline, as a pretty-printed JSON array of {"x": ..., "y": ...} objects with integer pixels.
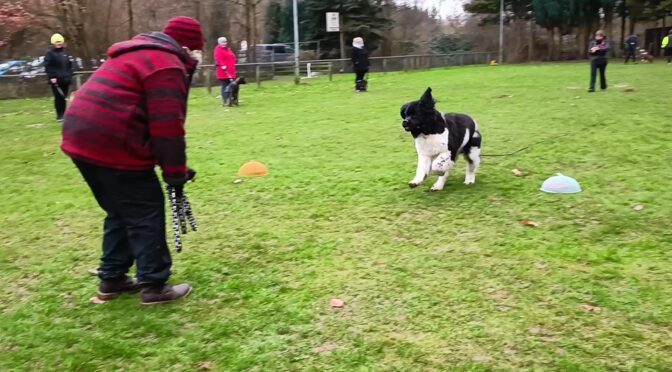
[
  {"x": 667, "y": 45},
  {"x": 59, "y": 69}
]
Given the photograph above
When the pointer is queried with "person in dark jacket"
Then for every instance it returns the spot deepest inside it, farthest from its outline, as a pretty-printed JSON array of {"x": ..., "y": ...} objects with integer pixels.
[
  {"x": 667, "y": 47},
  {"x": 360, "y": 64},
  {"x": 599, "y": 48},
  {"x": 59, "y": 69},
  {"x": 631, "y": 48},
  {"x": 128, "y": 117}
]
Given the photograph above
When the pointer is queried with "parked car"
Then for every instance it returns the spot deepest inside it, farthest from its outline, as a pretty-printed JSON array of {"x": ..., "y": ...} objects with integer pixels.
[
  {"x": 274, "y": 52},
  {"x": 13, "y": 67},
  {"x": 32, "y": 73}
]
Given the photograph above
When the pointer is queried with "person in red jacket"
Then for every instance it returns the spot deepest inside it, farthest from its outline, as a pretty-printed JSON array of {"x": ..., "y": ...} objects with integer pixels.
[
  {"x": 128, "y": 117},
  {"x": 225, "y": 62}
]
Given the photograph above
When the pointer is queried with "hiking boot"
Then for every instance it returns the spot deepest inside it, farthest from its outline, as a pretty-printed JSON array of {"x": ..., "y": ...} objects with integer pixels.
[
  {"x": 110, "y": 289},
  {"x": 164, "y": 294}
]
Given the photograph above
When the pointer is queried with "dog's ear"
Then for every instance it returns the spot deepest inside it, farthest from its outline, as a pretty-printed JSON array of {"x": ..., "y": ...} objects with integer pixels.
[
  {"x": 427, "y": 101},
  {"x": 404, "y": 110}
]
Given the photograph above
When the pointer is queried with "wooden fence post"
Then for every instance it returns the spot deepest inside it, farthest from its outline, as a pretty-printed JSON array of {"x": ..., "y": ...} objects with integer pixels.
[
  {"x": 258, "y": 76},
  {"x": 208, "y": 81},
  {"x": 384, "y": 66},
  {"x": 331, "y": 72}
]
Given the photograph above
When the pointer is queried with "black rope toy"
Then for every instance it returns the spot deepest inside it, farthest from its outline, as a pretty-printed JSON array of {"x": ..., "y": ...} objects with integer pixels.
[{"x": 182, "y": 214}]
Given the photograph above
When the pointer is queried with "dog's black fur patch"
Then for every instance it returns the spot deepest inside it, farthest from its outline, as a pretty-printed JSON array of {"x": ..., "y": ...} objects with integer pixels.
[{"x": 234, "y": 89}]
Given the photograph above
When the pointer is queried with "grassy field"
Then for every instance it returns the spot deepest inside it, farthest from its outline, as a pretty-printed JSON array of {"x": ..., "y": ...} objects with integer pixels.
[{"x": 431, "y": 281}]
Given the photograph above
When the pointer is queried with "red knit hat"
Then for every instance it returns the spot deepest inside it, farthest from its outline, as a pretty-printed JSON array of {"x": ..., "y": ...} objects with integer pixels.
[{"x": 186, "y": 31}]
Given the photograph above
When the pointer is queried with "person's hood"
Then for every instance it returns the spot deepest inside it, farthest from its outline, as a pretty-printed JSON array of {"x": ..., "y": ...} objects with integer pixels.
[{"x": 150, "y": 41}]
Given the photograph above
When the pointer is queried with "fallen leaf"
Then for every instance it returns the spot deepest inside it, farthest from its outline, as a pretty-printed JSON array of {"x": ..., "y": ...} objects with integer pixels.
[
  {"x": 504, "y": 96},
  {"x": 327, "y": 346},
  {"x": 591, "y": 308},
  {"x": 96, "y": 300},
  {"x": 238, "y": 180},
  {"x": 638, "y": 207},
  {"x": 538, "y": 330},
  {"x": 206, "y": 366},
  {"x": 336, "y": 302},
  {"x": 516, "y": 172},
  {"x": 629, "y": 90},
  {"x": 529, "y": 223}
]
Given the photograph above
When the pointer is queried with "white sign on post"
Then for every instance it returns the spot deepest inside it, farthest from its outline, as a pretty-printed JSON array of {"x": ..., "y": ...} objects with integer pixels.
[{"x": 333, "y": 24}]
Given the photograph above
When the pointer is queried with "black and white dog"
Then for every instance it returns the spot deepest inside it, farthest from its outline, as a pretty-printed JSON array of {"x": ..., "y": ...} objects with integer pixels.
[
  {"x": 439, "y": 139},
  {"x": 231, "y": 98}
]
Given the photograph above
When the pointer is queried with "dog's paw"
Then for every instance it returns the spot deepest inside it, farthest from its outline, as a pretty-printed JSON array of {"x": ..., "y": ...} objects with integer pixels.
[
  {"x": 413, "y": 184},
  {"x": 436, "y": 188}
]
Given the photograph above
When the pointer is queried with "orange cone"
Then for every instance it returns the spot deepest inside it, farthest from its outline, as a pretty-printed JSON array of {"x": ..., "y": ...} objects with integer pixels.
[{"x": 253, "y": 168}]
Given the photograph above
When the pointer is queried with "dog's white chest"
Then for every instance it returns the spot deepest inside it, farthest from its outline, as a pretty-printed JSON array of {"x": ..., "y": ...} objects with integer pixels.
[{"x": 433, "y": 144}]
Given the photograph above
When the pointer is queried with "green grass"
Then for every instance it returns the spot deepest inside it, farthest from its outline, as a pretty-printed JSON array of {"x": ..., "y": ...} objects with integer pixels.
[{"x": 431, "y": 281}]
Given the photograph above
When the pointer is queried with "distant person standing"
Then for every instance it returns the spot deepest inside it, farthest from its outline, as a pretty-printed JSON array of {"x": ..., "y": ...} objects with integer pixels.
[
  {"x": 59, "y": 69},
  {"x": 360, "y": 64},
  {"x": 667, "y": 45},
  {"x": 599, "y": 48},
  {"x": 225, "y": 62},
  {"x": 631, "y": 48}
]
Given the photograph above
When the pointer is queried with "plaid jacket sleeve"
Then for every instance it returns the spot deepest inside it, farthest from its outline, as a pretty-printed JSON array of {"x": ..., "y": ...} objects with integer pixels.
[{"x": 166, "y": 102}]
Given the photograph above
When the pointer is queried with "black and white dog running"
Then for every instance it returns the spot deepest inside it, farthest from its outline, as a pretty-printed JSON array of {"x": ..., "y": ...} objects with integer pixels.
[{"x": 439, "y": 139}]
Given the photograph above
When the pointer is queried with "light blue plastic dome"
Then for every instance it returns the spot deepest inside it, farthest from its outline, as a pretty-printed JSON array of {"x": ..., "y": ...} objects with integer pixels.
[{"x": 561, "y": 184}]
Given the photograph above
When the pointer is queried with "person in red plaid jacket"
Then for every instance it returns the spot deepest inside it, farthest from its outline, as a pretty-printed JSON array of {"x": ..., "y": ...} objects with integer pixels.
[{"x": 127, "y": 118}]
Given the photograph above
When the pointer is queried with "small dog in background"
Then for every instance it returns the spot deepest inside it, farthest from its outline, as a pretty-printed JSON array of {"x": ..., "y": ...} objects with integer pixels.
[
  {"x": 439, "y": 139},
  {"x": 645, "y": 56},
  {"x": 231, "y": 98}
]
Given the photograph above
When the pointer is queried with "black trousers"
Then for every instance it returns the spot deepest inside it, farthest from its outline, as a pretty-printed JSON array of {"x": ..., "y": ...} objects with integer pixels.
[
  {"x": 59, "y": 99},
  {"x": 135, "y": 226},
  {"x": 359, "y": 75},
  {"x": 602, "y": 67},
  {"x": 631, "y": 53}
]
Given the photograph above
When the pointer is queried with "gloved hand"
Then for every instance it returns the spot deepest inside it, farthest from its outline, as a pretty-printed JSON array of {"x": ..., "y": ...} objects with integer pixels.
[{"x": 178, "y": 182}]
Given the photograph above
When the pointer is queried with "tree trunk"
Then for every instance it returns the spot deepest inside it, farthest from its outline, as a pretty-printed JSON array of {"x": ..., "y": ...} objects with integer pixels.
[
  {"x": 129, "y": 6},
  {"x": 108, "y": 16},
  {"x": 251, "y": 52},
  {"x": 253, "y": 42},
  {"x": 551, "y": 43},
  {"x": 530, "y": 47},
  {"x": 609, "y": 27},
  {"x": 623, "y": 19}
]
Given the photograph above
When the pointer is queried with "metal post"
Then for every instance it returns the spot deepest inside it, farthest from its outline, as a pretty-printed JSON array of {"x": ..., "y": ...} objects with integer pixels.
[
  {"x": 501, "y": 32},
  {"x": 384, "y": 66},
  {"x": 340, "y": 35},
  {"x": 308, "y": 72},
  {"x": 297, "y": 72},
  {"x": 78, "y": 82},
  {"x": 331, "y": 71}
]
